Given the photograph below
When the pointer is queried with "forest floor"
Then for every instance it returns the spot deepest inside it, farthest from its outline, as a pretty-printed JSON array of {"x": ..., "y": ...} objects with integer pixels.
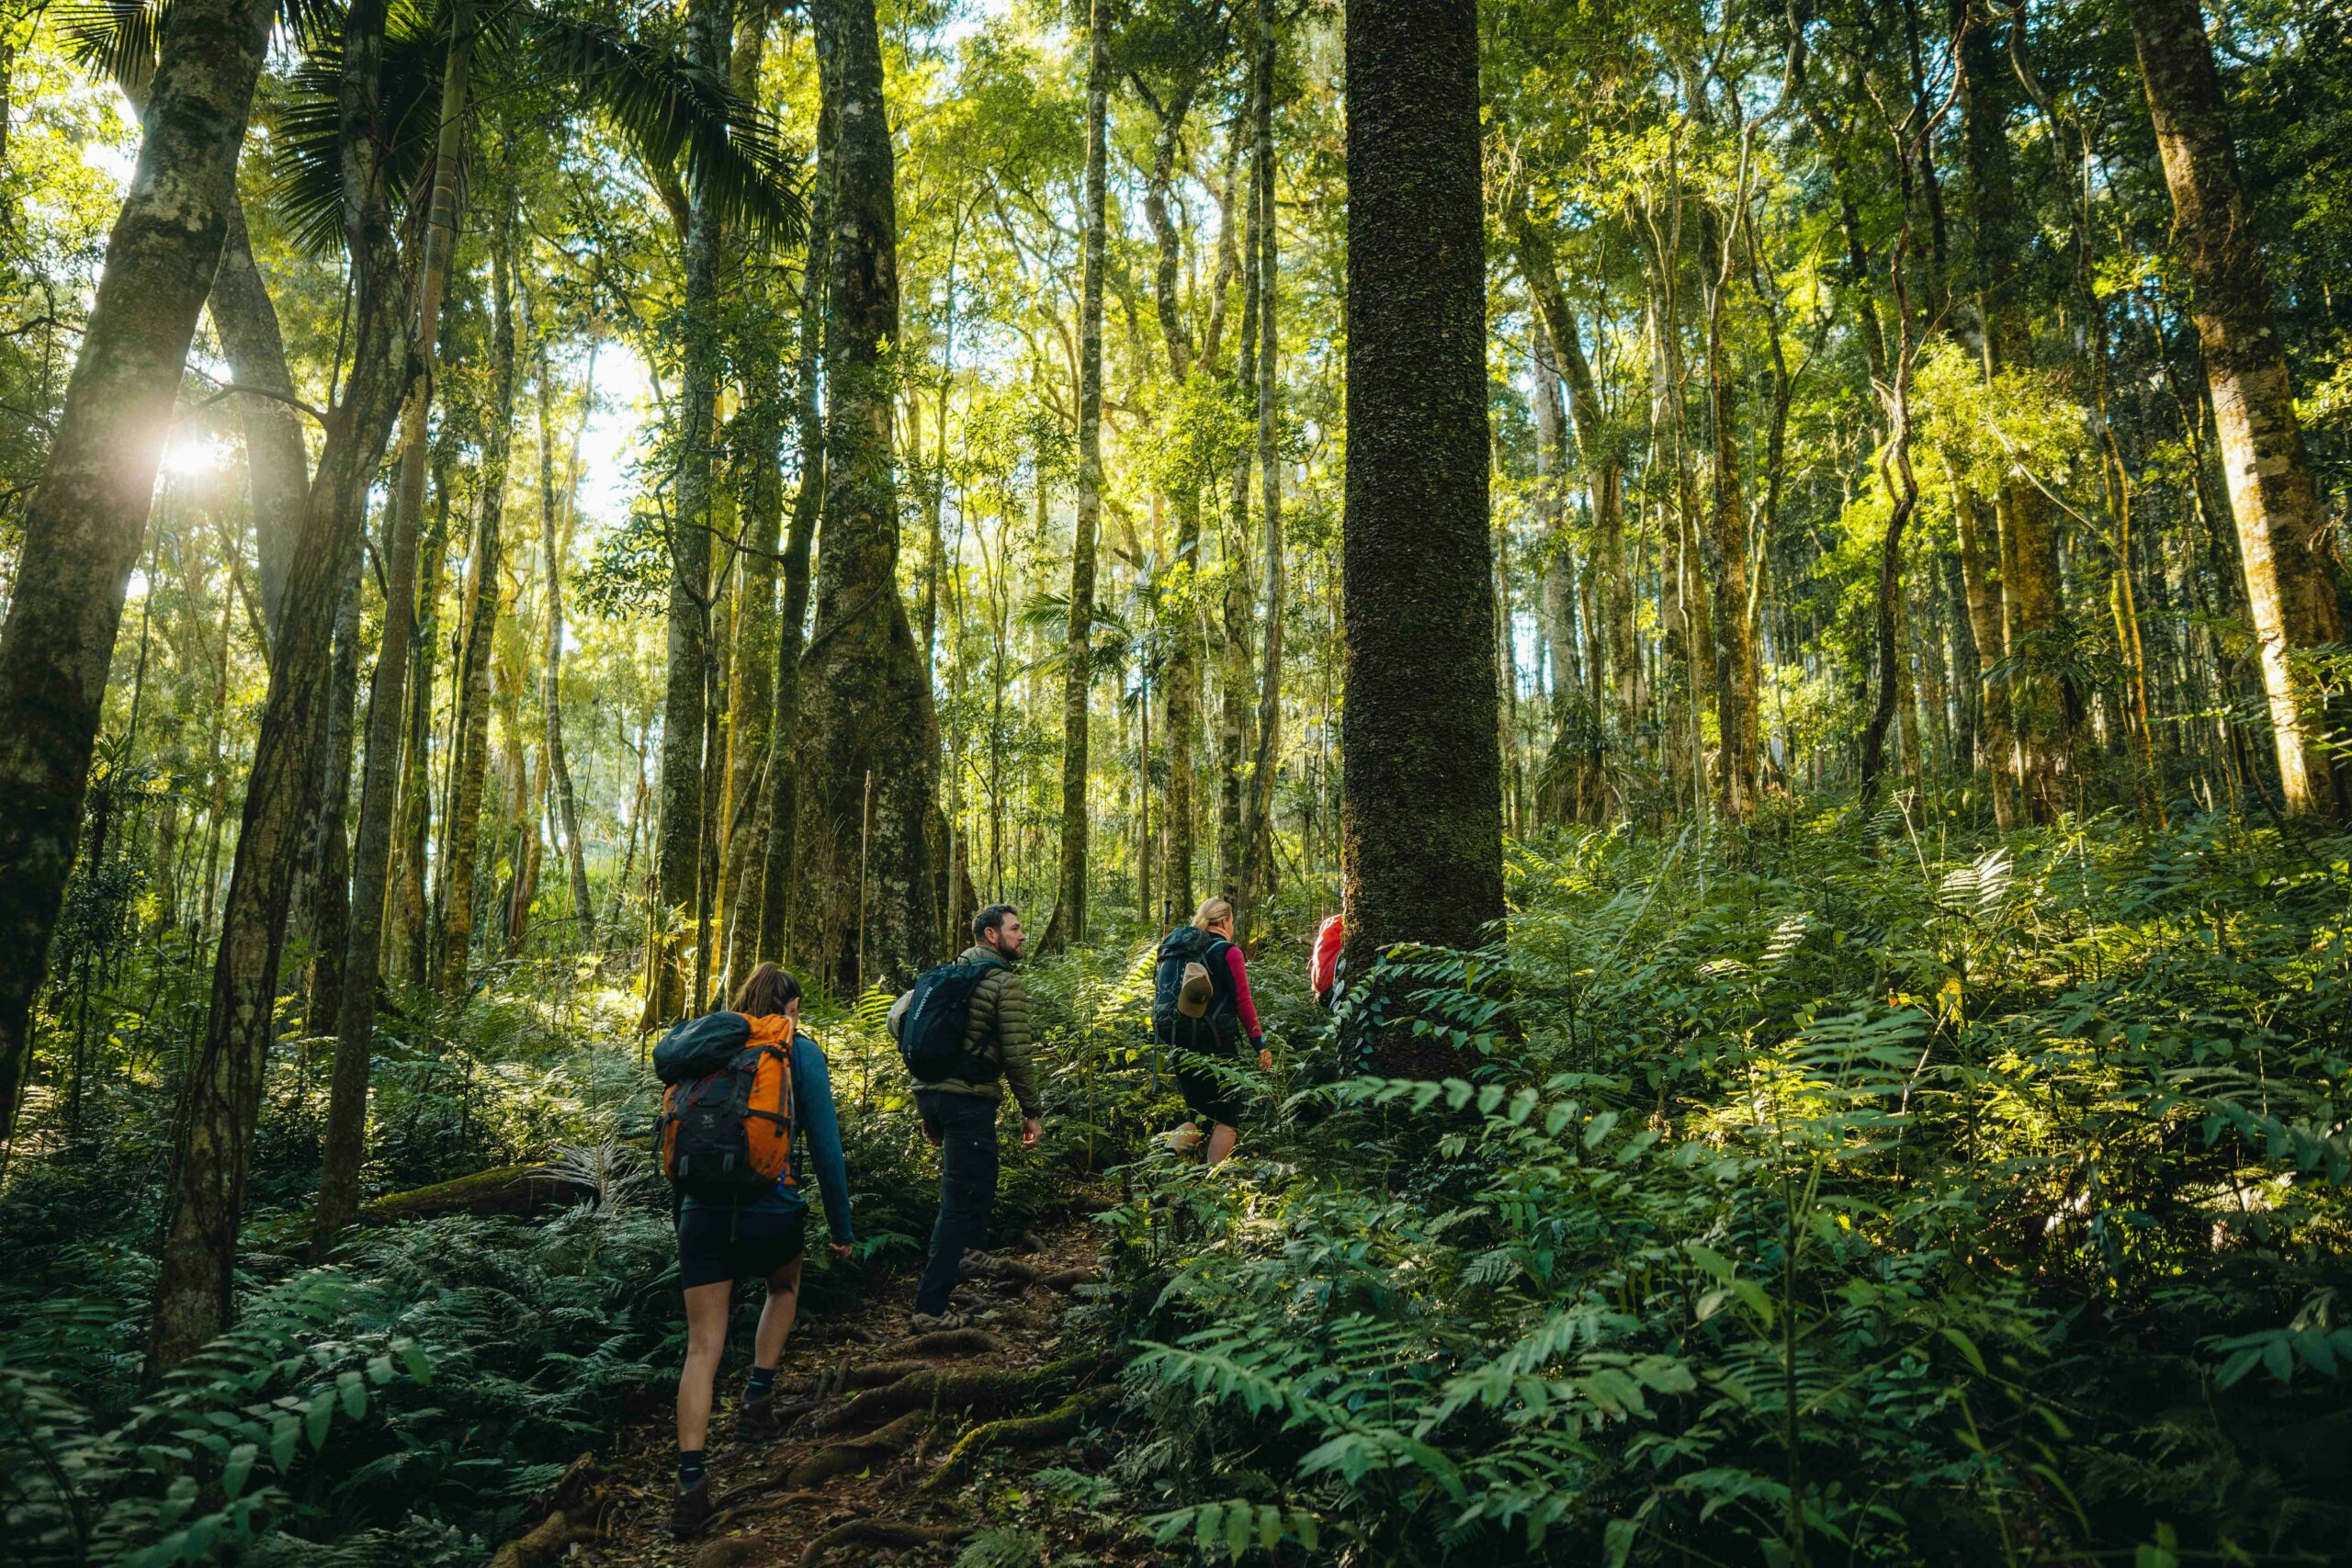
[{"x": 905, "y": 1446}]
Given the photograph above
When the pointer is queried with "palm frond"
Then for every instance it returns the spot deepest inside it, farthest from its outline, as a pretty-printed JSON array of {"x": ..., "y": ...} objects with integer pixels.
[
  {"x": 677, "y": 115},
  {"x": 306, "y": 145}
]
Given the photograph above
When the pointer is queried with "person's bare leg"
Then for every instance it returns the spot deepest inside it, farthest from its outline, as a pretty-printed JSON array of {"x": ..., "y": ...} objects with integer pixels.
[
  {"x": 1221, "y": 1142},
  {"x": 777, "y": 1316},
  {"x": 706, "y": 1342}
]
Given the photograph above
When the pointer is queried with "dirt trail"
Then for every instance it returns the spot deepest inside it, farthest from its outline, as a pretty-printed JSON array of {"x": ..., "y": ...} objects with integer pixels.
[{"x": 896, "y": 1451}]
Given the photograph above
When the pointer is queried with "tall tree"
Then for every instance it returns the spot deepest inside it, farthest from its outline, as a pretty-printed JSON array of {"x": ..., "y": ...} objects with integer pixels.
[
  {"x": 1067, "y": 924},
  {"x": 1257, "y": 830},
  {"x": 807, "y": 506},
  {"x": 221, "y": 1100},
  {"x": 2281, "y": 530},
  {"x": 555, "y": 542},
  {"x": 87, "y": 516},
  {"x": 686, "y": 681},
  {"x": 866, "y": 906},
  {"x": 470, "y": 769},
  {"x": 1421, "y": 823},
  {"x": 392, "y": 706}
]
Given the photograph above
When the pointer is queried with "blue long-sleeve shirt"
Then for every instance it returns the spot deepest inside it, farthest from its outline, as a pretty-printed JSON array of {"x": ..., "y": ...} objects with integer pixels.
[{"x": 815, "y": 1142}]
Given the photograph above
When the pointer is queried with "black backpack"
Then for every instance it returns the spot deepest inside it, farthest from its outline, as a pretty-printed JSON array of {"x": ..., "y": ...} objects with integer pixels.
[
  {"x": 939, "y": 1013},
  {"x": 1190, "y": 944}
]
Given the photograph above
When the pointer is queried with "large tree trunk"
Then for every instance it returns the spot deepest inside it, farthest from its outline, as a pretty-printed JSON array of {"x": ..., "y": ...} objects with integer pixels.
[
  {"x": 471, "y": 767},
  {"x": 1421, "y": 822},
  {"x": 864, "y": 911},
  {"x": 88, "y": 515},
  {"x": 1068, "y": 924},
  {"x": 808, "y": 505},
  {"x": 1256, "y": 822},
  {"x": 686, "y": 690},
  {"x": 221, "y": 1101},
  {"x": 2282, "y": 534}
]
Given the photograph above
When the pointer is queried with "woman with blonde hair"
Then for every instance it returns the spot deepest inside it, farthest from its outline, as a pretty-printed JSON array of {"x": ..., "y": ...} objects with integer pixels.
[{"x": 1201, "y": 1006}]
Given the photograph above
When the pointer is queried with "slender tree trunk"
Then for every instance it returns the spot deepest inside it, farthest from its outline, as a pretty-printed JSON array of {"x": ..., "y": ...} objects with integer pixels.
[
  {"x": 687, "y": 696},
  {"x": 751, "y": 710},
  {"x": 223, "y": 1098},
  {"x": 1604, "y": 469},
  {"x": 413, "y": 827},
  {"x": 807, "y": 506},
  {"x": 471, "y": 767},
  {"x": 1991, "y": 640},
  {"x": 1235, "y": 698},
  {"x": 88, "y": 516},
  {"x": 1181, "y": 680},
  {"x": 1421, "y": 826},
  {"x": 1257, "y": 831},
  {"x": 1068, "y": 924},
  {"x": 556, "y": 542},
  {"x": 2046, "y": 706},
  {"x": 2282, "y": 533},
  {"x": 329, "y": 852},
  {"x": 277, "y": 462},
  {"x": 864, "y": 911}
]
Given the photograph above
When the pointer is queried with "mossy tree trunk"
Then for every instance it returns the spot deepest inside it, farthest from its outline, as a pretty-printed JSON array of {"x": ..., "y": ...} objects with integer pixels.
[
  {"x": 1421, "y": 823},
  {"x": 2282, "y": 532},
  {"x": 869, "y": 739},
  {"x": 88, "y": 515}
]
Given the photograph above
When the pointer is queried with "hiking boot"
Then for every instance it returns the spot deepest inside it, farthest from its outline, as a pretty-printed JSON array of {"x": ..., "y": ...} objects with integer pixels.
[
  {"x": 769, "y": 1416},
  {"x": 691, "y": 1511},
  {"x": 938, "y": 1322}
]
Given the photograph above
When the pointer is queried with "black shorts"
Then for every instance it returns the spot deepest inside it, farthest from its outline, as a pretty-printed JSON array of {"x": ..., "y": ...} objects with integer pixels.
[
  {"x": 716, "y": 1244},
  {"x": 1209, "y": 1096}
]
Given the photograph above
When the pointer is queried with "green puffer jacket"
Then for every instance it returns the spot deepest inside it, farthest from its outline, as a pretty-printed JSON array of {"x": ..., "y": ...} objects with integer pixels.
[{"x": 997, "y": 1029}]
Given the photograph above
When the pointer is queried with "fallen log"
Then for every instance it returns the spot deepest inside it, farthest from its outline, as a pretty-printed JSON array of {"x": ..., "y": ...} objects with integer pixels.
[{"x": 508, "y": 1190}]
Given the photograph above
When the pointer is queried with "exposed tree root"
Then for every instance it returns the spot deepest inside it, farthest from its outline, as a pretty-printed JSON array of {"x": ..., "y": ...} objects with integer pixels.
[
  {"x": 554, "y": 1535},
  {"x": 1057, "y": 1426},
  {"x": 843, "y": 1459},
  {"x": 774, "y": 1505},
  {"x": 990, "y": 1390},
  {"x": 1069, "y": 1280},
  {"x": 879, "y": 1533},
  {"x": 948, "y": 1343}
]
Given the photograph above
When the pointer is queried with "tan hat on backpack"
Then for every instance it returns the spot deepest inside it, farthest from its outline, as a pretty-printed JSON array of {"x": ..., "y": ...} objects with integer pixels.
[{"x": 1193, "y": 1000}]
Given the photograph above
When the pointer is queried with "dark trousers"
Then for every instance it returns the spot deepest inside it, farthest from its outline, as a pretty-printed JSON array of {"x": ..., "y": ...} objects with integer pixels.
[{"x": 966, "y": 1129}]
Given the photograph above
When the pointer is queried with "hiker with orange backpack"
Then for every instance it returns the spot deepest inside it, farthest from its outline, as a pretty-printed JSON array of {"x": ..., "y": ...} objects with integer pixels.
[{"x": 747, "y": 1118}]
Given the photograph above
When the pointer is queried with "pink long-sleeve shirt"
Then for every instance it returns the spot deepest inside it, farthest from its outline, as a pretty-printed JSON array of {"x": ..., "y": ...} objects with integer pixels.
[{"x": 1241, "y": 1002}]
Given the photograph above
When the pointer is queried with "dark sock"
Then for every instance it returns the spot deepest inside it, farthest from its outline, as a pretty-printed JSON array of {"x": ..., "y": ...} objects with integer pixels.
[
  {"x": 692, "y": 1466},
  {"x": 761, "y": 1384}
]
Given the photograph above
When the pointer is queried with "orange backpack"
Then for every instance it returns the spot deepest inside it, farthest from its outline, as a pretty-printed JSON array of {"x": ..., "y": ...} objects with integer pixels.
[{"x": 724, "y": 1134}]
